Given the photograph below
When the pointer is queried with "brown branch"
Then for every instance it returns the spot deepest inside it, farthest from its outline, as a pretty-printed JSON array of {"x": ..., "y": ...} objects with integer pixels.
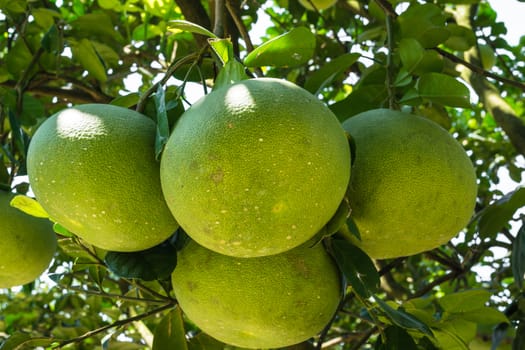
[
  {"x": 176, "y": 65},
  {"x": 194, "y": 12},
  {"x": 490, "y": 97},
  {"x": 478, "y": 70},
  {"x": 240, "y": 26}
]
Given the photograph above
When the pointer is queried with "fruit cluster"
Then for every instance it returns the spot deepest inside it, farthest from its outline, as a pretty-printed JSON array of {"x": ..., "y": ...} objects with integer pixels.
[{"x": 252, "y": 172}]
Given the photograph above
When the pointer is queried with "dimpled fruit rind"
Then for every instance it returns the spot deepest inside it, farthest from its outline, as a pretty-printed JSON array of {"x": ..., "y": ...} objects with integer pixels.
[
  {"x": 413, "y": 187},
  {"x": 27, "y": 244},
  {"x": 93, "y": 169},
  {"x": 265, "y": 302},
  {"x": 255, "y": 168}
]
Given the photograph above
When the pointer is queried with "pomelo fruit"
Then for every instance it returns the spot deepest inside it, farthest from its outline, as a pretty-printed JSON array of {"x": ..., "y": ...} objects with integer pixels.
[
  {"x": 319, "y": 4},
  {"x": 413, "y": 187},
  {"x": 27, "y": 245},
  {"x": 255, "y": 168},
  {"x": 93, "y": 169},
  {"x": 265, "y": 302}
]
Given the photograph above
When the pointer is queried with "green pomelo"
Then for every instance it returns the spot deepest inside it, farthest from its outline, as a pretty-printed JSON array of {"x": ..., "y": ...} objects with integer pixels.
[
  {"x": 265, "y": 302},
  {"x": 319, "y": 4},
  {"x": 255, "y": 168},
  {"x": 93, "y": 169},
  {"x": 27, "y": 245},
  {"x": 413, "y": 187}
]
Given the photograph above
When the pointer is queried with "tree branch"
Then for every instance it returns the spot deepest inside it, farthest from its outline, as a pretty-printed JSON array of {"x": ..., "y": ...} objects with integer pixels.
[
  {"x": 194, "y": 12},
  {"x": 490, "y": 97},
  {"x": 115, "y": 324}
]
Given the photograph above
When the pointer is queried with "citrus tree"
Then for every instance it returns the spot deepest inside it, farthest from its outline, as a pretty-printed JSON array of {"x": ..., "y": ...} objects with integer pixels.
[{"x": 403, "y": 244}]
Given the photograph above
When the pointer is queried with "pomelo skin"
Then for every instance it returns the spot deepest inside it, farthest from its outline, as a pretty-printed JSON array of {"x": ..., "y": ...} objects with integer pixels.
[
  {"x": 319, "y": 4},
  {"x": 255, "y": 168},
  {"x": 27, "y": 244},
  {"x": 93, "y": 169},
  {"x": 412, "y": 188},
  {"x": 265, "y": 302}
]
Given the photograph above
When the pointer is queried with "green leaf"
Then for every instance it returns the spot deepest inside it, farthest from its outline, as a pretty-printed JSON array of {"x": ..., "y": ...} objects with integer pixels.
[
  {"x": 325, "y": 75},
  {"x": 51, "y": 42},
  {"x": 417, "y": 60},
  {"x": 464, "y": 301},
  {"x": 126, "y": 101},
  {"x": 494, "y": 217},
  {"x": 363, "y": 98},
  {"x": 29, "y": 206},
  {"x": 461, "y": 38},
  {"x": 290, "y": 49},
  {"x": 202, "y": 341},
  {"x": 402, "y": 318},
  {"x": 223, "y": 48},
  {"x": 233, "y": 71},
  {"x": 519, "y": 340},
  {"x": 170, "y": 333},
  {"x": 396, "y": 339},
  {"x": 61, "y": 230},
  {"x": 84, "y": 52},
  {"x": 187, "y": 26},
  {"x": 425, "y": 23},
  {"x": 356, "y": 266},
  {"x": 17, "y": 133},
  {"x": 151, "y": 264},
  {"x": 24, "y": 341},
  {"x": 443, "y": 89},
  {"x": 485, "y": 316},
  {"x": 517, "y": 259},
  {"x": 163, "y": 130}
]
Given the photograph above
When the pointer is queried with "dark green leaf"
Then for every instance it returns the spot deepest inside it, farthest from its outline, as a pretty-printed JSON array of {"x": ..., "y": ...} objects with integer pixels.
[
  {"x": 461, "y": 38},
  {"x": 494, "y": 217},
  {"x": 411, "y": 53},
  {"x": 233, "y": 71},
  {"x": 202, "y": 341},
  {"x": 363, "y": 98},
  {"x": 51, "y": 40},
  {"x": 464, "y": 301},
  {"x": 443, "y": 89},
  {"x": 17, "y": 132},
  {"x": 287, "y": 50},
  {"x": 126, "y": 101},
  {"x": 425, "y": 23},
  {"x": 151, "y": 264},
  {"x": 24, "y": 341},
  {"x": 356, "y": 266},
  {"x": 170, "y": 333},
  {"x": 325, "y": 75},
  {"x": 396, "y": 339},
  {"x": 519, "y": 340},
  {"x": 163, "y": 130},
  {"x": 402, "y": 318},
  {"x": 84, "y": 52},
  {"x": 517, "y": 259},
  {"x": 187, "y": 26}
]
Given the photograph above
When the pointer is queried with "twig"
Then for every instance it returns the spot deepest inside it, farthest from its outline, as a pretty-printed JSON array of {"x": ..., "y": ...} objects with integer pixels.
[
  {"x": 176, "y": 65},
  {"x": 114, "y": 296},
  {"x": 115, "y": 324},
  {"x": 218, "y": 25},
  {"x": 390, "y": 88},
  {"x": 479, "y": 70},
  {"x": 240, "y": 26}
]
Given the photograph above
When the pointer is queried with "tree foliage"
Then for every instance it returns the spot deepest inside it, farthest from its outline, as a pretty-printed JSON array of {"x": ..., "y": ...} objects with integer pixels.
[{"x": 420, "y": 56}]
